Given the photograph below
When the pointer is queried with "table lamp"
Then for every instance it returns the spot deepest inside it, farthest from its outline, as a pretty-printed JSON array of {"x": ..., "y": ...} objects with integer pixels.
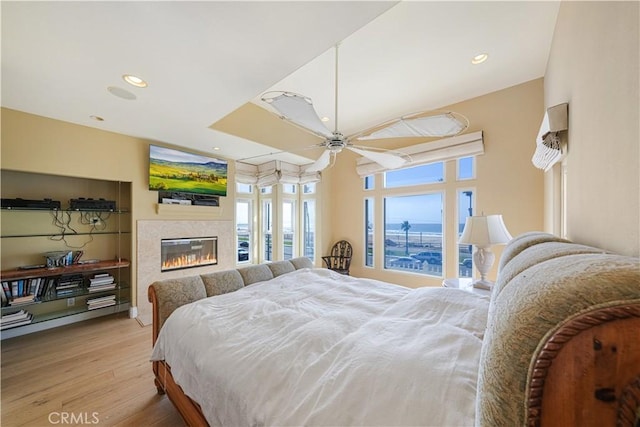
[{"x": 483, "y": 232}]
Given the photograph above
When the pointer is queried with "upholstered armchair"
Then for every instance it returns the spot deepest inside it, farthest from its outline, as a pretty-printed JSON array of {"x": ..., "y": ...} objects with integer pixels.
[{"x": 340, "y": 258}]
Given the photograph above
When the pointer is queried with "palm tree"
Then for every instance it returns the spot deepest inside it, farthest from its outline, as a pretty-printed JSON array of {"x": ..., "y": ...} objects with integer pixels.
[{"x": 405, "y": 226}]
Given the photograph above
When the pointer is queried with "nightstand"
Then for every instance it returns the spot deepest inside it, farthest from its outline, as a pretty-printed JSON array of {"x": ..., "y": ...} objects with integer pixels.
[{"x": 465, "y": 283}]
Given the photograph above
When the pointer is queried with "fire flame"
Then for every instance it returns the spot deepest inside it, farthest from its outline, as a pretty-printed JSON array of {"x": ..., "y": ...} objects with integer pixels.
[{"x": 188, "y": 260}]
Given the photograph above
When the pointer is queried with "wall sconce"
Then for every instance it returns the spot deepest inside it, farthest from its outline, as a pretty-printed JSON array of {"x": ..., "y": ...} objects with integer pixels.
[{"x": 548, "y": 145}]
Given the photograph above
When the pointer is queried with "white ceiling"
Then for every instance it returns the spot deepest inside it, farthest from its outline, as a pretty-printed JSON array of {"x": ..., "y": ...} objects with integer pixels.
[{"x": 205, "y": 59}]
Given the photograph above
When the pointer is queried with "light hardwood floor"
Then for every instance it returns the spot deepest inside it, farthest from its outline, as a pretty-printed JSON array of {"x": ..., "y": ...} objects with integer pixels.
[{"x": 94, "y": 372}]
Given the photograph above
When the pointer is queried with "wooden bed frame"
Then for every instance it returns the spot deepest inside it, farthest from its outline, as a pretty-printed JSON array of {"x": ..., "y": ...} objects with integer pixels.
[
  {"x": 586, "y": 374},
  {"x": 190, "y": 410}
]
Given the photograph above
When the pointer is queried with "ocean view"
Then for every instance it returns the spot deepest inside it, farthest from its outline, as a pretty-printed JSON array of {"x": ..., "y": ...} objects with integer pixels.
[{"x": 420, "y": 228}]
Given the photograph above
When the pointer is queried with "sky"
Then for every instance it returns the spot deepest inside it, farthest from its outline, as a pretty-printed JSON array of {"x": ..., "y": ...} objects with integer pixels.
[{"x": 425, "y": 208}]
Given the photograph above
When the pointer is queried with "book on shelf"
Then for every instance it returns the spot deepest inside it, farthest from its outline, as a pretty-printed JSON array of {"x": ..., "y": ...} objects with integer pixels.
[
  {"x": 77, "y": 256},
  {"x": 6, "y": 288},
  {"x": 17, "y": 315},
  {"x": 69, "y": 284},
  {"x": 101, "y": 280},
  {"x": 18, "y": 318},
  {"x": 100, "y": 299},
  {"x": 101, "y": 302},
  {"x": 99, "y": 288},
  {"x": 23, "y": 300},
  {"x": 101, "y": 305},
  {"x": 18, "y": 292},
  {"x": 49, "y": 288}
]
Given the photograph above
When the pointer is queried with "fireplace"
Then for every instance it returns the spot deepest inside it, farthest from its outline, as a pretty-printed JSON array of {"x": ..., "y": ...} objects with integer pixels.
[{"x": 176, "y": 254}]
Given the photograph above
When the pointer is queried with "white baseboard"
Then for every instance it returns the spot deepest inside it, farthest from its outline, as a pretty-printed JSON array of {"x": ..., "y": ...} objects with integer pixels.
[{"x": 133, "y": 312}]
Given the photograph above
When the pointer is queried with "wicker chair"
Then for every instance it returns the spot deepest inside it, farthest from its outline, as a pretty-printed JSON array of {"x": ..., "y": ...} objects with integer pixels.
[{"x": 340, "y": 258}]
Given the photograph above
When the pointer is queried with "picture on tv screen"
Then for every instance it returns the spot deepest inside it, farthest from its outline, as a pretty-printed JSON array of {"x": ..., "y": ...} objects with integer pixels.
[{"x": 179, "y": 171}]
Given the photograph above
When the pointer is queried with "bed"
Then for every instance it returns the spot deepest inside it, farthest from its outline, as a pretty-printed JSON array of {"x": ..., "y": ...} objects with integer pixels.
[{"x": 287, "y": 344}]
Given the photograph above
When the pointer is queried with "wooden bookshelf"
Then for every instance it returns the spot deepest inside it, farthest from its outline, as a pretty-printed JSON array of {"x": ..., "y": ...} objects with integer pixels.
[{"x": 101, "y": 235}]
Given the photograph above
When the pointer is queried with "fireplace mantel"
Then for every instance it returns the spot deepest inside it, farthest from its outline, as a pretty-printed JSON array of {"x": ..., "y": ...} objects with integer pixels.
[
  {"x": 149, "y": 236},
  {"x": 188, "y": 211}
]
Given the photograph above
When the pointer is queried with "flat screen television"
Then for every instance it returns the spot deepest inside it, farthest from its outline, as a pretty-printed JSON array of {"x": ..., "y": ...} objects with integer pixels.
[{"x": 180, "y": 171}]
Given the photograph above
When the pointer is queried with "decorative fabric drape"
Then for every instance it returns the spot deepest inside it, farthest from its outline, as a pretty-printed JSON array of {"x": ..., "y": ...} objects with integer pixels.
[
  {"x": 273, "y": 172},
  {"x": 471, "y": 144}
]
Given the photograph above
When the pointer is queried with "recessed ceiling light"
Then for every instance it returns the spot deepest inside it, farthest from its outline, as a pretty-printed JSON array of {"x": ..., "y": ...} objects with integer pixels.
[
  {"x": 97, "y": 118},
  {"x": 216, "y": 148},
  {"x": 325, "y": 119},
  {"x": 134, "y": 80},
  {"x": 479, "y": 59}
]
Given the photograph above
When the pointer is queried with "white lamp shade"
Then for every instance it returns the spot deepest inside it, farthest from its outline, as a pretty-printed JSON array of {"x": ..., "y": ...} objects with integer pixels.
[{"x": 484, "y": 231}]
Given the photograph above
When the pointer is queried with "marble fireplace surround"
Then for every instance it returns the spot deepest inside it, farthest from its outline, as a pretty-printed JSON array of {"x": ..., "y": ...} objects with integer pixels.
[{"x": 149, "y": 235}]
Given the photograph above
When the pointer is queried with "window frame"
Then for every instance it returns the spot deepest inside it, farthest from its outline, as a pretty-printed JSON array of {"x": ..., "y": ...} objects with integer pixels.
[{"x": 449, "y": 188}]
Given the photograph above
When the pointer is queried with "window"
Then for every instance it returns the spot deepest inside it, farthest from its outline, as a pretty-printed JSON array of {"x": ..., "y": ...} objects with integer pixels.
[
  {"x": 465, "y": 252},
  {"x": 284, "y": 211},
  {"x": 267, "y": 234},
  {"x": 243, "y": 230},
  {"x": 423, "y": 174},
  {"x": 413, "y": 233},
  {"x": 309, "y": 228},
  {"x": 308, "y": 200},
  {"x": 244, "y": 188},
  {"x": 276, "y": 222},
  {"x": 288, "y": 228},
  {"x": 369, "y": 182},
  {"x": 368, "y": 232},
  {"x": 415, "y": 202},
  {"x": 466, "y": 168}
]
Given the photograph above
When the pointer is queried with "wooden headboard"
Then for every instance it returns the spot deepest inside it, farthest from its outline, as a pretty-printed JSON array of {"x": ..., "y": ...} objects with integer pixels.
[{"x": 562, "y": 345}]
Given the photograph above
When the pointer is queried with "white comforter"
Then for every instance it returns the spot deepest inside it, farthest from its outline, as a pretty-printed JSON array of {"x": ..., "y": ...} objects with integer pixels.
[{"x": 313, "y": 347}]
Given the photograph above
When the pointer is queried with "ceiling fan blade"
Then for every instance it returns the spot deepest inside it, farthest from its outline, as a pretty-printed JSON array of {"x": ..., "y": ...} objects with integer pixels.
[
  {"x": 299, "y": 110},
  {"x": 439, "y": 125},
  {"x": 387, "y": 160},
  {"x": 322, "y": 162}
]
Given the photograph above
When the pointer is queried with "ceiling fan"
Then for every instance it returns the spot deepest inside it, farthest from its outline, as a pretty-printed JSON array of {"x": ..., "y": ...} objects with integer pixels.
[{"x": 298, "y": 110}]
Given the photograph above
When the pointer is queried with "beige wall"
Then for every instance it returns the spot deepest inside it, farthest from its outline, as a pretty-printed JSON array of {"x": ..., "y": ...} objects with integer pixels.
[
  {"x": 507, "y": 182},
  {"x": 594, "y": 66},
  {"x": 36, "y": 144}
]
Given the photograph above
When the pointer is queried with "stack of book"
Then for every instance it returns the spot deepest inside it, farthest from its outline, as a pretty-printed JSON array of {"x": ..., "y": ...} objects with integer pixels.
[
  {"x": 22, "y": 291},
  {"x": 18, "y": 318},
  {"x": 101, "y": 282},
  {"x": 101, "y": 302},
  {"x": 69, "y": 284}
]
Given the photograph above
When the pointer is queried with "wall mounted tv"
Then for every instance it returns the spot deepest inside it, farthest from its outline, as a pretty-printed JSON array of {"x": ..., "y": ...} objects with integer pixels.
[{"x": 180, "y": 171}]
